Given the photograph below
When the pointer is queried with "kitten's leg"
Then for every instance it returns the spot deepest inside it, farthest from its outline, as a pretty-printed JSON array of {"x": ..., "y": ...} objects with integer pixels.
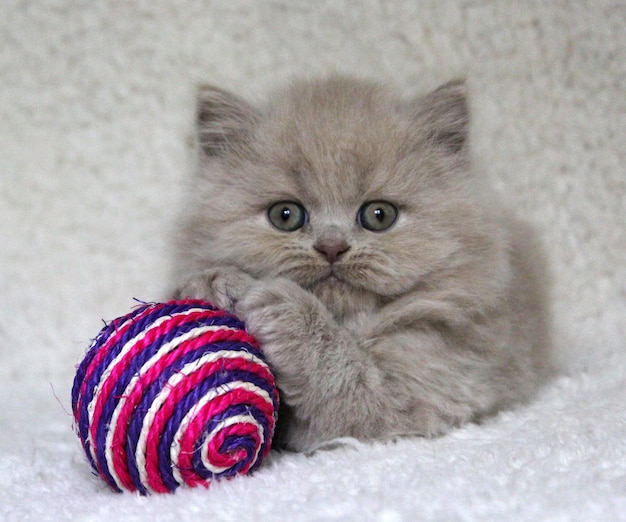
[
  {"x": 223, "y": 286},
  {"x": 334, "y": 383}
]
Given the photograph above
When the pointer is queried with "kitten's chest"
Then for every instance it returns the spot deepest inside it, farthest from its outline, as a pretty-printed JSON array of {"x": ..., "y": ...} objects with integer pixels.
[
  {"x": 359, "y": 325},
  {"x": 350, "y": 307}
]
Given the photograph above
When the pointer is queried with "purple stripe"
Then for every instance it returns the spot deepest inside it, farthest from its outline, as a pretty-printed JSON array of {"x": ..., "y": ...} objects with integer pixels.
[
  {"x": 215, "y": 380},
  {"x": 114, "y": 398},
  {"x": 233, "y": 443},
  {"x": 81, "y": 417},
  {"x": 133, "y": 369},
  {"x": 87, "y": 378},
  {"x": 155, "y": 312}
]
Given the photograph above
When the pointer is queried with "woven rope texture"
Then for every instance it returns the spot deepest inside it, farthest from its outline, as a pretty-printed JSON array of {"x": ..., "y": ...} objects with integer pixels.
[{"x": 174, "y": 394}]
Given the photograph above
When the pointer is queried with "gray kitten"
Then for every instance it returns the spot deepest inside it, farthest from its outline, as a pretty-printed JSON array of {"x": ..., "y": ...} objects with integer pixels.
[{"x": 344, "y": 224}]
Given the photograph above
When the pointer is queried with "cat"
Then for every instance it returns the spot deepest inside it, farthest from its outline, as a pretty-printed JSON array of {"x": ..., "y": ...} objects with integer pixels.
[{"x": 346, "y": 226}]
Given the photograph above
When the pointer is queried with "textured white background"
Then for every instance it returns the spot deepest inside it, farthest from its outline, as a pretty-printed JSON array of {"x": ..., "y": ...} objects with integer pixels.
[{"x": 96, "y": 103}]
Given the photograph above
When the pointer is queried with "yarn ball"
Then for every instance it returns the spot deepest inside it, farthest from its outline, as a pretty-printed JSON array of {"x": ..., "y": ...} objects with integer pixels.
[{"x": 174, "y": 394}]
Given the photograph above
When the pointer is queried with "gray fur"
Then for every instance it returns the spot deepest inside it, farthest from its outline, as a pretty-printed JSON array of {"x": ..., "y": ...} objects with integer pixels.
[{"x": 439, "y": 320}]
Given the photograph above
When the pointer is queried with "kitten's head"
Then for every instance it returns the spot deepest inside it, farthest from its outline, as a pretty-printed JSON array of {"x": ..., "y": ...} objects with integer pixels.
[{"x": 340, "y": 185}]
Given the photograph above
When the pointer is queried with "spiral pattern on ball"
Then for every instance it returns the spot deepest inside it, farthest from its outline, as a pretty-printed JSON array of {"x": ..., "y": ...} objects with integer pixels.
[{"x": 174, "y": 394}]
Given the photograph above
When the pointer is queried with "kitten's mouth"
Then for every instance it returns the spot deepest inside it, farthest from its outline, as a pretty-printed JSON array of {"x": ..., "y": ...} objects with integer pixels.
[{"x": 329, "y": 276}]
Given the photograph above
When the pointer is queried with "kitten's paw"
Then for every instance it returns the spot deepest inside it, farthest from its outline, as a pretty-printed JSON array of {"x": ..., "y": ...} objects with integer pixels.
[
  {"x": 282, "y": 316},
  {"x": 273, "y": 309},
  {"x": 222, "y": 286}
]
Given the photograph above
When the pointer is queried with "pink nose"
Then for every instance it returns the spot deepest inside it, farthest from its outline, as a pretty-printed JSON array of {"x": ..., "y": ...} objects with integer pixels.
[{"x": 332, "y": 251}]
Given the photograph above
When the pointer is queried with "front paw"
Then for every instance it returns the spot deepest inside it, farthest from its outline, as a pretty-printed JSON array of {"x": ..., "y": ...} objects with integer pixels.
[
  {"x": 273, "y": 310},
  {"x": 223, "y": 286},
  {"x": 286, "y": 320}
]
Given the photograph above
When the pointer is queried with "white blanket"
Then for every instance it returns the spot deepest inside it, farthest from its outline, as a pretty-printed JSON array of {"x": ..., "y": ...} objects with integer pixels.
[{"x": 96, "y": 105}]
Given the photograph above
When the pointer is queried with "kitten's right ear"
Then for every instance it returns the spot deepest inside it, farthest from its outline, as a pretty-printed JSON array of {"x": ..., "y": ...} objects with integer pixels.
[{"x": 222, "y": 119}]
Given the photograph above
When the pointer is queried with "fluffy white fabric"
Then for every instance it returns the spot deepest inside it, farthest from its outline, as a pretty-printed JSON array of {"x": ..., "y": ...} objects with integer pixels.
[{"x": 95, "y": 119}]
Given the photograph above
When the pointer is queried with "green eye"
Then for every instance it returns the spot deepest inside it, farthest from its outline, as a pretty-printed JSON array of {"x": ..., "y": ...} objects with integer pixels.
[
  {"x": 287, "y": 216},
  {"x": 377, "y": 215}
]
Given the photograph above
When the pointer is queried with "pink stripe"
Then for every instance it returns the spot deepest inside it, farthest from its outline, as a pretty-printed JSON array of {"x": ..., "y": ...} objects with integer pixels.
[
  {"x": 123, "y": 324},
  {"x": 120, "y": 331},
  {"x": 122, "y": 365},
  {"x": 143, "y": 383},
  {"x": 217, "y": 405},
  {"x": 225, "y": 460},
  {"x": 197, "y": 426}
]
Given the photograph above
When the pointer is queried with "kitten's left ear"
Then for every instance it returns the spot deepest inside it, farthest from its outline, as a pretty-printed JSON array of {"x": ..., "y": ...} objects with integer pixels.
[{"x": 444, "y": 116}]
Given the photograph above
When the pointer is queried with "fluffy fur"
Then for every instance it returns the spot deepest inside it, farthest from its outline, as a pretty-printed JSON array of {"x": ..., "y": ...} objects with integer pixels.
[{"x": 438, "y": 320}]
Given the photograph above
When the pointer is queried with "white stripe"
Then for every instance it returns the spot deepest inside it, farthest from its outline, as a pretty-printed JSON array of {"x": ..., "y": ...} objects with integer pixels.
[
  {"x": 209, "y": 396},
  {"x": 125, "y": 349},
  {"x": 161, "y": 397},
  {"x": 237, "y": 419},
  {"x": 163, "y": 351}
]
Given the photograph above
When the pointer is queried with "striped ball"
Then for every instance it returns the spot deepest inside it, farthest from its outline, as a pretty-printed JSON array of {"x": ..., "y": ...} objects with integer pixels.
[{"x": 174, "y": 394}]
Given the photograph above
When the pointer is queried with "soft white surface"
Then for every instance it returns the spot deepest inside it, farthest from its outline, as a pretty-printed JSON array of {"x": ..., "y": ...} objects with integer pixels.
[{"x": 95, "y": 118}]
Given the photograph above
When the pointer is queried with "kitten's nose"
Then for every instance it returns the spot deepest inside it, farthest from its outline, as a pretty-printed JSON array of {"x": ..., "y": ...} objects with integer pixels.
[{"x": 332, "y": 250}]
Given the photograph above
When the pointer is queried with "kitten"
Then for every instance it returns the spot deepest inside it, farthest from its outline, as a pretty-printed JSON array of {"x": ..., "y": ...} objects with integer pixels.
[{"x": 344, "y": 224}]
